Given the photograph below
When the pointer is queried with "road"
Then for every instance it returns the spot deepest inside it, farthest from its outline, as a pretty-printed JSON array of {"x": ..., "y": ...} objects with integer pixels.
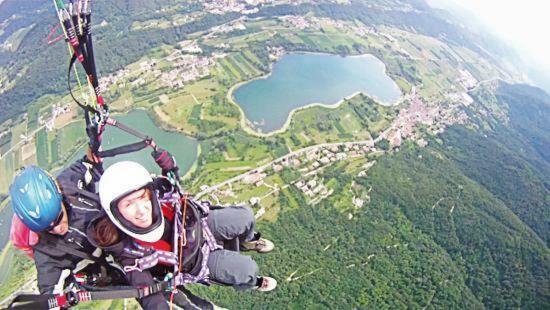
[
  {"x": 291, "y": 154},
  {"x": 23, "y": 141}
]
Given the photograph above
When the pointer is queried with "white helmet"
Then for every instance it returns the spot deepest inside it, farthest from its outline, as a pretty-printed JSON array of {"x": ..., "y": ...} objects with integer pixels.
[{"x": 121, "y": 179}]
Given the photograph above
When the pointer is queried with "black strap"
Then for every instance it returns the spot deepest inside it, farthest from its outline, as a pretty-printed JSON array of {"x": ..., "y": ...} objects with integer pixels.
[
  {"x": 35, "y": 301},
  {"x": 61, "y": 245},
  {"x": 86, "y": 108},
  {"x": 128, "y": 148},
  {"x": 130, "y": 130},
  {"x": 30, "y": 301}
]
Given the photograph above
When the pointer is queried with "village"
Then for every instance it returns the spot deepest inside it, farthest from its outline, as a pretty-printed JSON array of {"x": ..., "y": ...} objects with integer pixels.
[
  {"x": 310, "y": 162},
  {"x": 242, "y": 6},
  {"x": 433, "y": 117},
  {"x": 184, "y": 66}
]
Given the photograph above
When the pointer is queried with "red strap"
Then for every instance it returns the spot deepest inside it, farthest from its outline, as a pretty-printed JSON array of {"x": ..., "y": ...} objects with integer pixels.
[
  {"x": 168, "y": 211},
  {"x": 61, "y": 301}
]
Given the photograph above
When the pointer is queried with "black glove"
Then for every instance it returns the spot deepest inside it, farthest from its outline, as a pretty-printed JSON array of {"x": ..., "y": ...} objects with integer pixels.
[
  {"x": 93, "y": 137},
  {"x": 165, "y": 160}
]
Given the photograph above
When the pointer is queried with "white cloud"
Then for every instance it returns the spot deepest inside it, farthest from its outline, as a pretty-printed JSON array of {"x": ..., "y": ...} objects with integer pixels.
[{"x": 524, "y": 24}]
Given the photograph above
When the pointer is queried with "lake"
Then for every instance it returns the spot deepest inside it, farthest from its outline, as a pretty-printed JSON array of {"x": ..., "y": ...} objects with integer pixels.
[
  {"x": 301, "y": 79},
  {"x": 179, "y": 145}
]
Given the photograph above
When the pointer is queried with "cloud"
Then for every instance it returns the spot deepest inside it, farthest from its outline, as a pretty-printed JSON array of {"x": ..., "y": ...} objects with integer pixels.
[{"x": 523, "y": 24}]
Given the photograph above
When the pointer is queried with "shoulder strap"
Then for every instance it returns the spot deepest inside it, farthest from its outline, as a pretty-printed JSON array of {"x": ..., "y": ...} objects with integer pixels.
[{"x": 61, "y": 245}]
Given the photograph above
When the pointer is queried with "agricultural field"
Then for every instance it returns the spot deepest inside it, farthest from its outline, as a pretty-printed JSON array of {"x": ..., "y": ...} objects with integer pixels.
[
  {"x": 17, "y": 270},
  {"x": 18, "y": 131},
  {"x": 6, "y": 174},
  {"x": 12, "y": 43},
  {"x": 355, "y": 119},
  {"x": 71, "y": 138}
]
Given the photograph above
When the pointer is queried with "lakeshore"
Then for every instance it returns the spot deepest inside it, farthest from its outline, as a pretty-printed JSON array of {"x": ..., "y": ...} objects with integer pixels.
[{"x": 373, "y": 83}]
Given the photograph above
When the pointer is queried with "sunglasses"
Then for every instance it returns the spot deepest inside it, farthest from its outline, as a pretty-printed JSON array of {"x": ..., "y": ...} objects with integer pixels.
[{"x": 57, "y": 221}]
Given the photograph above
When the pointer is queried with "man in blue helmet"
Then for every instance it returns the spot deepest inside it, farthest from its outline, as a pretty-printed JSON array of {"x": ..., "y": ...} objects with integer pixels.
[{"x": 58, "y": 210}]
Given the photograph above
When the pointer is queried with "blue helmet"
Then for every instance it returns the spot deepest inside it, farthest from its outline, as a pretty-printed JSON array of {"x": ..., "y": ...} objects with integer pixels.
[{"x": 35, "y": 198}]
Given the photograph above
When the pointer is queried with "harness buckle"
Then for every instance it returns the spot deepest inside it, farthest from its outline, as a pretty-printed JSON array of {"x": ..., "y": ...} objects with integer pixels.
[
  {"x": 134, "y": 267},
  {"x": 72, "y": 298}
]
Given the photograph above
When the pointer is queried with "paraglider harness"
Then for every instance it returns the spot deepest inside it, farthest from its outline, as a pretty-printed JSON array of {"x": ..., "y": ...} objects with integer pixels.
[
  {"x": 75, "y": 22},
  {"x": 190, "y": 232}
]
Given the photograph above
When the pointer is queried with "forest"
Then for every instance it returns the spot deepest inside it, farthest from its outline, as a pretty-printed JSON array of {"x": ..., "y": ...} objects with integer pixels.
[
  {"x": 458, "y": 224},
  {"x": 431, "y": 237}
]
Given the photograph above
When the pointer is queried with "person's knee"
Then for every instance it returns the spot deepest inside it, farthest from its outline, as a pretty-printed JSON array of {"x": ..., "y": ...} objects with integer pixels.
[
  {"x": 233, "y": 268},
  {"x": 250, "y": 267},
  {"x": 246, "y": 213}
]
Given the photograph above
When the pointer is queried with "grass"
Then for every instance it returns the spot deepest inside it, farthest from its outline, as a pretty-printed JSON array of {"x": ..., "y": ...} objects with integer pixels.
[
  {"x": 179, "y": 111},
  {"x": 245, "y": 192},
  {"x": 17, "y": 131},
  {"x": 241, "y": 72},
  {"x": 43, "y": 149},
  {"x": 6, "y": 176},
  {"x": 229, "y": 164},
  {"x": 251, "y": 57},
  {"x": 292, "y": 203},
  {"x": 18, "y": 270},
  {"x": 6, "y": 258},
  {"x": 7, "y": 169},
  {"x": 231, "y": 71},
  {"x": 71, "y": 138}
]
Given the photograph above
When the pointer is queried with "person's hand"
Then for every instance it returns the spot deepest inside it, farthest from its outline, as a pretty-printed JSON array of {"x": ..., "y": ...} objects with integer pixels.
[
  {"x": 92, "y": 157},
  {"x": 93, "y": 144},
  {"x": 165, "y": 160},
  {"x": 93, "y": 137}
]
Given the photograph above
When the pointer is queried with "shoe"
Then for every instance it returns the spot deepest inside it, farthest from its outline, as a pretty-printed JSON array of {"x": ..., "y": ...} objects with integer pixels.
[
  {"x": 261, "y": 246},
  {"x": 268, "y": 284}
]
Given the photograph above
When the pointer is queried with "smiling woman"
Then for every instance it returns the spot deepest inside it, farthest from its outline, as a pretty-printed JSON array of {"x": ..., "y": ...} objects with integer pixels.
[{"x": 136, "y": 208}]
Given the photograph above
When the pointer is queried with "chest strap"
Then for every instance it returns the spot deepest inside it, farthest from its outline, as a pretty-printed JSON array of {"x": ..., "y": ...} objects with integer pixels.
[
  {"x": 209, "y": 245},
  {"x": 149, "y": 258}
]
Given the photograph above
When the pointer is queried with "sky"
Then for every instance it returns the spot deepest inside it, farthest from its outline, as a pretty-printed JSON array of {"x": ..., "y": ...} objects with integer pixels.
[{"x": 524, "y": 24}]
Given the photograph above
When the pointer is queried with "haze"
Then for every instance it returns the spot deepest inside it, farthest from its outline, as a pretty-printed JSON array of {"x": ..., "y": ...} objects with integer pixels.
[{"x": 522, "y": 24}]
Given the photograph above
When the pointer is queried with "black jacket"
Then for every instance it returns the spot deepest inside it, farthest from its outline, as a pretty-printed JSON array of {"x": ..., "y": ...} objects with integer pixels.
[{"x": 77, "y": 184}]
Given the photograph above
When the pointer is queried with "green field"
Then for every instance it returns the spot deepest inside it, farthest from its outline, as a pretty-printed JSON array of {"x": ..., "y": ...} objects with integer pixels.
[
  {"x": 70, "y": 138},
  {"x": 17, "y": 131},
  {"x": 16, "y": 268},
  {"x": 5, "y": 180},
  {"x": 42, "y": 148}
]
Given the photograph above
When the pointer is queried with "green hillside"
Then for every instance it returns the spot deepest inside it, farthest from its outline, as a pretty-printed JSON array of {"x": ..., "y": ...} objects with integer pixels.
[
  {"x": 448, "y": 226},
  {"x": 477, "y": 255}
]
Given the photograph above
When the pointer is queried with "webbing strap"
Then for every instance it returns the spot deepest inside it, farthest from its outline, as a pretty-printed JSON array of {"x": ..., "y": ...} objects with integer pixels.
[
  {"x": 150, "y": 261},
  {"x": 209, "y": 245},
  {"x": 49, "y": 301},
  {"x": 128, "y": 148},
  {"x": 60, "y": 245}
]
